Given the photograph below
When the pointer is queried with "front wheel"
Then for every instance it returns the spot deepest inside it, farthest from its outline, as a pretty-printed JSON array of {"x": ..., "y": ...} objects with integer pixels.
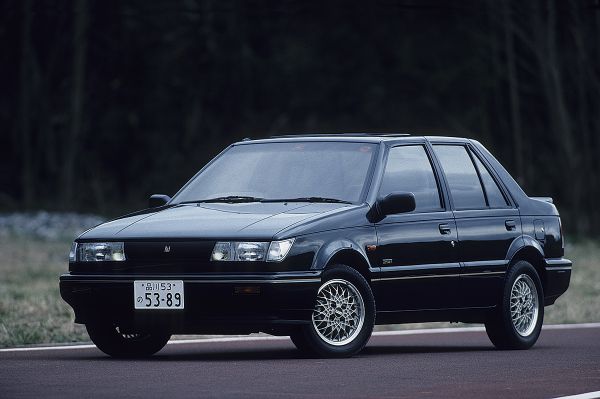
[
  {"x": 343, "y": 316},
  {"x": 518, "y": 320},
  {"x": 112, "y": 341}
]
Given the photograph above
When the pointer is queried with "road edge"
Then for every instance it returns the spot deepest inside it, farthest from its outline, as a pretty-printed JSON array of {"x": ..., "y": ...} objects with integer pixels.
[{"x": 245, "y": 338}]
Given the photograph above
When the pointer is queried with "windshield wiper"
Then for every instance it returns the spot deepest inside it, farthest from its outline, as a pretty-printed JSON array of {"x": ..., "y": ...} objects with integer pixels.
[
  {"x": 229, "y": 198},
  {"x": 308, "y": 199},
  {"x": 243, "y": 198}
]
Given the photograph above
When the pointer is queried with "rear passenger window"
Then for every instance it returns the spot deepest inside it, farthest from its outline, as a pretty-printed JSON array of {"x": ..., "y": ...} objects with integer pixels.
[
  {"x": 462, "y": 177},
  {"x": 494, "y": 195},
  {"x": 409, "y": 169}
]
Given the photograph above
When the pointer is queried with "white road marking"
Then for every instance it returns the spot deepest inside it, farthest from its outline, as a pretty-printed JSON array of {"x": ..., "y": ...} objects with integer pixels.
[
  {"x": 245, "y": 338},
  {"x": 588, "y": 395},
  {"x": 48, "y": 348}
]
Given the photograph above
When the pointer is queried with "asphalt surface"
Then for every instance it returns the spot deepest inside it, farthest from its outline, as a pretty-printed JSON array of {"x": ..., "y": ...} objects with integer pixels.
[{"x": 449, "y": 365}]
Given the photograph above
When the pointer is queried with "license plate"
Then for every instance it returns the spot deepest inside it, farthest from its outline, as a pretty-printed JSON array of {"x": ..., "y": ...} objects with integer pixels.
[{"x": 155, "y": 294}]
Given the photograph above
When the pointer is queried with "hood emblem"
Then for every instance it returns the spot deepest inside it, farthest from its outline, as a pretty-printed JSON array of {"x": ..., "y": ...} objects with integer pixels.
[{"x": 167, "y": 248}]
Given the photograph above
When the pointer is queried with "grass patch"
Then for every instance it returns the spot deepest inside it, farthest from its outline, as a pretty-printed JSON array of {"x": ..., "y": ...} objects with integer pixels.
[
  {"x": 581, "y": 302},
  {"x": 32, "y": 311}
]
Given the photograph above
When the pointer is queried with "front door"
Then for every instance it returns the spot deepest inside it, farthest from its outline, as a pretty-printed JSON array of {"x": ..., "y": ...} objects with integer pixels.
[{"x": 416, "y": 251}]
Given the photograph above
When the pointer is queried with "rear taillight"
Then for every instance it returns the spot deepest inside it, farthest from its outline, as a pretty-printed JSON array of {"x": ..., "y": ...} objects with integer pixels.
[{"x": 562, "y": 237}]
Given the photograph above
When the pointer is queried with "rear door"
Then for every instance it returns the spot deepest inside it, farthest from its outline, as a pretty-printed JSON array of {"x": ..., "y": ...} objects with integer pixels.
[
  {"x": 416, "y": 251},
  {"x": 486, "y": 220}
]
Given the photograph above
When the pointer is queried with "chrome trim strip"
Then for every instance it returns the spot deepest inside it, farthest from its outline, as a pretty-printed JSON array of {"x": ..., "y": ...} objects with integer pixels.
[
  {"x": 558, "y": 262},
  {"x": 557, "y": 268},
  {"x": 294, "y": 281},
  {"x": 455, "y": 266},
  {"x": 482, "y": 263},
  {"x": 482, "y": 274},
  {"x": 439, "y": 275},
  {"x": 288, "y": 281},
  {"x": 414, "y": 277},
  {"x": 189, "y": 279},
  {"x": 389, "y": 269}
]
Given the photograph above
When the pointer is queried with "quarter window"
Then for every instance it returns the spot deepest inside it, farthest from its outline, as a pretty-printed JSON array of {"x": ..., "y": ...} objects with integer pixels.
[
  {"x": 494, "y": 195},
  {"x": 462, "y": 177},
  {"x": 409, "y": 169}
]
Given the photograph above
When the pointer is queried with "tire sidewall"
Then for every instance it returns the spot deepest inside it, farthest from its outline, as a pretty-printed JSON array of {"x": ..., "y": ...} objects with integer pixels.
[
  {"x": 517, "y": 340},
  {"x": 322, "y": 348},
  {"x": 106, "y": 338}
]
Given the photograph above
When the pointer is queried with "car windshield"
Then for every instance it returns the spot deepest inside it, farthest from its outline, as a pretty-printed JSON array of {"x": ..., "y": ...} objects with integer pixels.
[{"x": 303, "y": 171}]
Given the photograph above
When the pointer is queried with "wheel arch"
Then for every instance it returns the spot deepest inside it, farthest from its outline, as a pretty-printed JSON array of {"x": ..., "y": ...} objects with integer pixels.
[
  {"x": 353, "y": 259},
  {"x": 347, "y": 253},
  {"x": 530, "y": 251}
]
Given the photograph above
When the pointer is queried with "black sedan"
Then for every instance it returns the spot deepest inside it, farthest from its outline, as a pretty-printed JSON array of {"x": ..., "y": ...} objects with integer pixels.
[{"x": 320, "y": 237}]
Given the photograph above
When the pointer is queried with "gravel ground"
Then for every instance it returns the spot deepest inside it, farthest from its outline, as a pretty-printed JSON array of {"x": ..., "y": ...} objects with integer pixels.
[{"x": 46, "y": 225}]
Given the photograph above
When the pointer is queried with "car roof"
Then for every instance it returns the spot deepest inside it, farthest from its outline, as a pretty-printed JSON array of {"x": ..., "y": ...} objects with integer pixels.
[{"x": 354, "y": 137}]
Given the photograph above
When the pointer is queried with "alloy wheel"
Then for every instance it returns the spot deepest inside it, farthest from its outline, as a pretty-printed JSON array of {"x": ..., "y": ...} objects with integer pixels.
[
  {"x": 524, "y": 305},
  {"x": 339, "y": 312}
]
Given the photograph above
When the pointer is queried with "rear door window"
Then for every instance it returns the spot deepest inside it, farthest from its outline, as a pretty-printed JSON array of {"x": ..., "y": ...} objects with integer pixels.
[
  {"x": 462, "y": 177},
  {"x": 409, "y": 169}
]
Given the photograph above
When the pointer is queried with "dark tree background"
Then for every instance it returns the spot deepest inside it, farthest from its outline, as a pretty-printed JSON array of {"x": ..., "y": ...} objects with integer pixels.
[{"x": 105, "y": 102}]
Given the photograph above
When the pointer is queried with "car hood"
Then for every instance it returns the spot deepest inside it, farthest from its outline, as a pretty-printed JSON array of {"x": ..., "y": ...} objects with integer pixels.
[{"x": 213, "y": 221}]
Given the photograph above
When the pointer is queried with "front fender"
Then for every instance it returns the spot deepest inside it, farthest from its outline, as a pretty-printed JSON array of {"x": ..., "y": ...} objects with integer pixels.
[
  {"x": 329, "y": 250},
  {"x": 334, "y": 243}
]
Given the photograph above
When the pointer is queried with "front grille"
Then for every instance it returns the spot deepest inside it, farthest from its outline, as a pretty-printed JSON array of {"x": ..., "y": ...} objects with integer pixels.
[{"x": 167, "y": 251}]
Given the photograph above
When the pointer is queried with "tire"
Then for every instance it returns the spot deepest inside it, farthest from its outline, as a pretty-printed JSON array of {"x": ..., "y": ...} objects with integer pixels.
[
  {"x": 518, "y": 327},
  {"x": 300, "y": 341},
  {"x": 344, "y": 300},
  {"x": 116, "y": 344}
]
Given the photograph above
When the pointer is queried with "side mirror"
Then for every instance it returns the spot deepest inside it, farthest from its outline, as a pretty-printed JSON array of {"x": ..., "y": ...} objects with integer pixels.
[
  {"x": 157, "y": 200},
  {"x": 395, "y": 203}
]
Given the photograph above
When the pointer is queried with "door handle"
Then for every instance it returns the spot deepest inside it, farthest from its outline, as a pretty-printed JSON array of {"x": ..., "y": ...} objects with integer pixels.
[
  {"x": 510, "y": 225},
  {"x": 445, "y": 228}
]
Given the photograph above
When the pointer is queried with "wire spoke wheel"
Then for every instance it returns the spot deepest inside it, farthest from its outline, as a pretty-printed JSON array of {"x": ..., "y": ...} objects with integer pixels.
[
  {"x": 130, "y": 336},
  {"x": 117, "y": 342},
  {"x": 339, "y": 312},
  {"x": 524, "y": 305}
]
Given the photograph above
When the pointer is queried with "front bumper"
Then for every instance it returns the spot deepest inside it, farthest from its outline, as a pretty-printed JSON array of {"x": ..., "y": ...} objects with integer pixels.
[
  {"x": 557, "y": 278},
  {"x": 214, "y": 303}
]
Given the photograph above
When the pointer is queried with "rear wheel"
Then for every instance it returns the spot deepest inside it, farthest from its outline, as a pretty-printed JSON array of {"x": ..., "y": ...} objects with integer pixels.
[
  {"x": 518, "y": 320},
  {"x": 343, "y": 316},
  {"x": 112, "y": 341}
]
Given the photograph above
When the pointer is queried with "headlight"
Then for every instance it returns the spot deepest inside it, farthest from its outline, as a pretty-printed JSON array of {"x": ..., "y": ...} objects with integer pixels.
[
  {"x": 250, "y": 251},
  {"x": 100, "y": 251},
  {"x": 73, "y": 252},
  {"x": 276, "y": 251},
  {"x": 222, "y": 251}
]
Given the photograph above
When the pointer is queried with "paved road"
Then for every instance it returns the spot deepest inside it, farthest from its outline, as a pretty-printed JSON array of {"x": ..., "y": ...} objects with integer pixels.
[{"x": 449, "y": 365}]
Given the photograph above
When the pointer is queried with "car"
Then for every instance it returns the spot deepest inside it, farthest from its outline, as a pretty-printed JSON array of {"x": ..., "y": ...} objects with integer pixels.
[{"x": 320, "y": 238}]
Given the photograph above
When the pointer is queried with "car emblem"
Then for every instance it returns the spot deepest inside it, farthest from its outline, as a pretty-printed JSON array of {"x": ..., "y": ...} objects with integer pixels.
[{"x": 167, "y": 248}]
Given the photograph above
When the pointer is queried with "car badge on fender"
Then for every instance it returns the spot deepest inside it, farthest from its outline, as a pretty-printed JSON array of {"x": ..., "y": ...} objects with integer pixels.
[{"x": 167, "y": 248}]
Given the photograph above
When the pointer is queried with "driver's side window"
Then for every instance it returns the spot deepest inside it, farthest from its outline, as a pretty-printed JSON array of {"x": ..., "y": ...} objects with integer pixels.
[{"x": 409, "y": 169}]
